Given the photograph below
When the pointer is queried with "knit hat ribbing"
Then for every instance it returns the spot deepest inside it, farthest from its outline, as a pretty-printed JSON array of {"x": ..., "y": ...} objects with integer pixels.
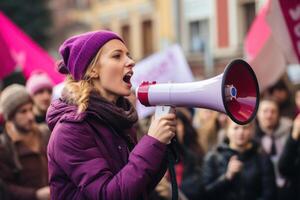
[{"x": 78, "y": 51}]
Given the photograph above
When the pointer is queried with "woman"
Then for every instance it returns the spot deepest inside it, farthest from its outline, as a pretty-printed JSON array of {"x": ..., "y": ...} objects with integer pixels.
[
  {"x": 92, "y": 152},
  {"x": 191, "y": 156},
  {"x": 238, "y": 170},
  {"x": 188, "y": 168}
]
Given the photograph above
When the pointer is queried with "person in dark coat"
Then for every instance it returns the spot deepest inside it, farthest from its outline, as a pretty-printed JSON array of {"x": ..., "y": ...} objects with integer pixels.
[
  {"x": 3, "y": 192},
  {"x": 289, "y": 162},
  {"x": 237, "y": 170},
  {"x": 23, "y": 159},
  {"x": 93, "y": 152},
  {"x": 272, "y": 132},
  {"x": 188, "y": 169}
]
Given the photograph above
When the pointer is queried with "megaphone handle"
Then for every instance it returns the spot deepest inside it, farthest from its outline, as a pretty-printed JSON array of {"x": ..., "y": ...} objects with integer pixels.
[
  {"x": 163, "y": 110},
  {"x": 171, "y": 151}
]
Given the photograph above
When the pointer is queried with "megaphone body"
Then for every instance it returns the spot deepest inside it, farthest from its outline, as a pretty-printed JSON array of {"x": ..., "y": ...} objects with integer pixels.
[{"x": 235, "y": 93}]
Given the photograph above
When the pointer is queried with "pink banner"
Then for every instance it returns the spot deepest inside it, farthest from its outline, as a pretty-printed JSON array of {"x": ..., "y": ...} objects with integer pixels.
[
  {"x": 262, "y": 50},
  {"x": 258, "y": 34},
  {"x": 18, "y": 49},
  {"x": 291, "y": 12},
  {"x": 7, "y": 63}
]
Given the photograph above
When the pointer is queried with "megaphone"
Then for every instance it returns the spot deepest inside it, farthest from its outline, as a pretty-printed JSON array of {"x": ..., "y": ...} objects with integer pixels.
[{"x": 235, "y": 93}]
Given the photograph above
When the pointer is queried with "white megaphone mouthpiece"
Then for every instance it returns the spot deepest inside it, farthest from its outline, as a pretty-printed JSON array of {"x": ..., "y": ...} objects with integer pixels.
[{"x": 235, "y": 93}]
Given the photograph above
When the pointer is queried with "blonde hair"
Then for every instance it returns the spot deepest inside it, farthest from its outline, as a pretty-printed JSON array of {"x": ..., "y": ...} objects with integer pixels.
[
  {"x": 78, "y": 92},
  {"x": 207, "y": 128}
]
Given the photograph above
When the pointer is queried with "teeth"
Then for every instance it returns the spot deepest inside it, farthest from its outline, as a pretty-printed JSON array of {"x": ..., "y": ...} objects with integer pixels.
[{"x": 127, "y": 77}]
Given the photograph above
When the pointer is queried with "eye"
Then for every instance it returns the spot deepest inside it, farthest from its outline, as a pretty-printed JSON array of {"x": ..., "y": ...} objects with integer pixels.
[{"x": 117, "y": 56}]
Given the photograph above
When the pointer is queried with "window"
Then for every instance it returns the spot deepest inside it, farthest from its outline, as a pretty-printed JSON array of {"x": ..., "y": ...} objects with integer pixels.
[
  {"x": 198, "y": 36},
  {"x": 147, "y": 37},
  {"x": 125, "y": 31},
  {"x": 249, "y": 15}
]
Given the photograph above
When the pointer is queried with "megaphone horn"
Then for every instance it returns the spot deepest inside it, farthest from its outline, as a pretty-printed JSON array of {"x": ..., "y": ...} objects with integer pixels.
[{"x": 235, "y": 93}]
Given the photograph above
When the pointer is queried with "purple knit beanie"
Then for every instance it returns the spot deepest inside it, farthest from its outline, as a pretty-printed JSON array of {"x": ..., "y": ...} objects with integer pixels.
[{"x": 78, "y": 51}]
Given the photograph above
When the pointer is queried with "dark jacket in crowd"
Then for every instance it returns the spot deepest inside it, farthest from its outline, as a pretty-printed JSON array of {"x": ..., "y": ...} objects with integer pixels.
[
  {"x": 289, "y": 166},
  {"x": 88, "y": 159},
  {"x": 22, "y": 170},
  {"x": 256, "y": 181},
  {"x": 191, "y": 176},
  {"x": 3, "y": 192}
]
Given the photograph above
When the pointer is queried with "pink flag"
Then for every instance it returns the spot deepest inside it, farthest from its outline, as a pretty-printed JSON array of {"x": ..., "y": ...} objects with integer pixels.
[
  {"x": 17, "y": 49},
  {"x": 7, "y": 63},
  {"x": 282, "y": 21},
  {"x": 291, "y": 12},
  {"x": 268, "y": 45}
]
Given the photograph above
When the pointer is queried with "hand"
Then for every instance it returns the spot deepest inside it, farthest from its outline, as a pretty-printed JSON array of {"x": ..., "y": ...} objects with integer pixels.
[
  {"x": 164, "y": 188},
  {"x": 43, "y": 193},
  {"x": 296, "y": 128},
  {"x": 234, "y": 166},
  {"x": 163, "y": 128}
]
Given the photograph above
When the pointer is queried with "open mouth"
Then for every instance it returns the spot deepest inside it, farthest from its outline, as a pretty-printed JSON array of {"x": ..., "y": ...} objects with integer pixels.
[{"x": 127, "y": 77}]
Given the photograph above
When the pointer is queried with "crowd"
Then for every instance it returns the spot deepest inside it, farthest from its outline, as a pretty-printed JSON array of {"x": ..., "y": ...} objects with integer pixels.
[{"x": 218, "y": 159}]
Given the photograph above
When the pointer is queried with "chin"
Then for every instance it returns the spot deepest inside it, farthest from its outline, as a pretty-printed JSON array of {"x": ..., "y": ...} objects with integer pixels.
[
  {"x": 241, "y": 143},
  {"x": 125, "y": 92}
]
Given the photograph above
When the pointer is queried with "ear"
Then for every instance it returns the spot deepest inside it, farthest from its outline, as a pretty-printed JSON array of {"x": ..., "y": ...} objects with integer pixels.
[{"x": 94, "y": 73}]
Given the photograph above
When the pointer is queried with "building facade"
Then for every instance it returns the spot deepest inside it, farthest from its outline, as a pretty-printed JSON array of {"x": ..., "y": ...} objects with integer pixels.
[
  {"x": 146, "y": 25},
  {"x": 213, "y": 32}
]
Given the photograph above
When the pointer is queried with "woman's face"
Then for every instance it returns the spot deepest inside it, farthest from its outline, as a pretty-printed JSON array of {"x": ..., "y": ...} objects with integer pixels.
[
  {"x": 115, "y": 70},
  {"x": 239, "y": 135}
]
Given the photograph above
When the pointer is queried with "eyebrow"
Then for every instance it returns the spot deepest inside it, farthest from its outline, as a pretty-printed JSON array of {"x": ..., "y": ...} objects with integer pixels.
[{"x": 121, "y": 51}]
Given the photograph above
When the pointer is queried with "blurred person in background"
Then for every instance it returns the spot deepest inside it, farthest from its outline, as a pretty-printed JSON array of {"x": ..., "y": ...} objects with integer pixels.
[
  {"x": 2, "y": 122},
  {"x": 188, "y": 169},
  {"x": 297, "y": 100},
  {"x": 3, "y": 192},
  {"x": 93, "y": 151},
  {"x": 281, "y": 94},
  {"x": 207, "y": 126},
  {"x": 289, "y": 162},
  {"x": 272, "y": 133},
  {"x": 238, "y": 169},
  {"x": 23, "y": 161},
  {"x": 39, "y": 85}
]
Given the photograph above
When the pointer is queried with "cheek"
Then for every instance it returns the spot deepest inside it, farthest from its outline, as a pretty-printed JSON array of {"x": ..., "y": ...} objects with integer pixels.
[
  {"x": 37, "y": 98},
  {"x": 20, "y": 120},
  {"x": 249, "y": 135},
  {"x": 112, "y": 75},
  {"x": 230, "y": 134}
]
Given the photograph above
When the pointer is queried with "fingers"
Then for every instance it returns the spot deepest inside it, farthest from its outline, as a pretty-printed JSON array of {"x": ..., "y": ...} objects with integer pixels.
[
  {"x": 234, "y": 164},
  {"x": 233, "y": 158},
  {"x": 169, "y": 116}
]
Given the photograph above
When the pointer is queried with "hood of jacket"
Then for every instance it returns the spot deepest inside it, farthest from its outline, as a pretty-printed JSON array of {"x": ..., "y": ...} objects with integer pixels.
[{"x": 60, "y": 110}]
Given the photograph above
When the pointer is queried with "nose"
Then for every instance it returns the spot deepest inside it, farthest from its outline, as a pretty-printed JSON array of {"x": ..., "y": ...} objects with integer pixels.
[
  {"x": 130, "y": 62},
  {"x": 30, "y": 115}
]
